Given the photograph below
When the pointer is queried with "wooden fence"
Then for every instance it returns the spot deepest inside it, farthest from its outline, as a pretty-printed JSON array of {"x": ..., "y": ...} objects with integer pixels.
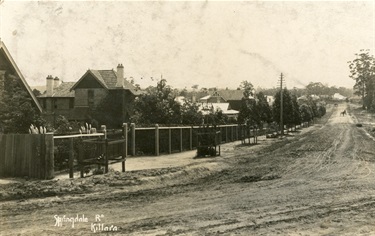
[
  {"x": 67, "y": 148},
  {"x": 165, "y": 140},
  {"x": 38, "y": 155},
  {"x": 149, "y": 141},
  {"x": 27, "y": 155}
]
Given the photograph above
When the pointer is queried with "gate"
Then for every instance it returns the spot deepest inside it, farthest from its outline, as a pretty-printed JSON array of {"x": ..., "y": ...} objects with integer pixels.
[{"x": 102, "y": 152}]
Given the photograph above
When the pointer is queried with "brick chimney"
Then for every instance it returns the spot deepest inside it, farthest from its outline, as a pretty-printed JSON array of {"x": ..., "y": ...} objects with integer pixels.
[
  {"x": 56, "y": 82},
  {"x": 120, "y": 76},
  {"x": 50, "y": 83}
]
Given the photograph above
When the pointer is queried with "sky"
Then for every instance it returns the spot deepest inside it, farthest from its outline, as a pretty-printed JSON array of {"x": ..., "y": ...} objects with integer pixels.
[{"x": 210, "y": 44}]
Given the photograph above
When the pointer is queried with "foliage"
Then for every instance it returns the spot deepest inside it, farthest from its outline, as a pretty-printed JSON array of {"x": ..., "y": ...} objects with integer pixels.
[
  {"x": 321, "y": 109},
  {"x": 157, "y": 106},
  {"x": 190, "y": 114},
  {"x": 248, "y": 89},
  {"x": 216, "y": 118},
  {"x": 63, "y": 126},
  {"x": 255, "y": 109},
  {"x": 362, "y": 71},
  {"x": 314, "y": 108},
  {"x": 296, "y": 118},
  {"x": 306, "y": 113},
  {"x": 108, "y": 112},
  {"x": 17, "y": 111},
  {"x": 249, "y": 112},
  {"x": 36, "y": 92},
  {"x": 264, "y": 109},
  {"x": 317, "y": 89},
  {"x": 311, "y": 109},
  {"x": 287, "y": 107}
]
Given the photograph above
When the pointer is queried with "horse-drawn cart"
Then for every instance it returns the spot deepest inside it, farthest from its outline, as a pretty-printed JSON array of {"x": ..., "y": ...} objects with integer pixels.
[{"x": 209, "y": 140}]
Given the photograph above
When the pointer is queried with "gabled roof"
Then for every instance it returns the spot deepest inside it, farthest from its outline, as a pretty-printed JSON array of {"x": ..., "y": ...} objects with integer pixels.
[
  {"x": 108, "y": 79},
  {"x": 206, "y": 108},
  {"x": 7, "y": 63},
  {"x": 227, "y": 95},
  {"x": 231, "y": 94},
  {"x": 63, "y": 90}
]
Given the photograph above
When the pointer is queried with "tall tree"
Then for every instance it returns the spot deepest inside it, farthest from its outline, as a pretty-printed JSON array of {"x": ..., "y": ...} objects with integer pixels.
[
  {"x": 157, "y": 106},
  {"x": 287, "y": 107},
  {"x": 264, "y": 108},
  {"x": 316, "y": 88},
  {"x": 248, "y": 113},
  {"x": 306, "y": 113},
  {"x": 248, "y": 89},
  {"x": 190, "y": 114},
  {"x": 108, "y": 111},
  {"x": 296, "y": 119},
  {"x": 362, "y": 71}
]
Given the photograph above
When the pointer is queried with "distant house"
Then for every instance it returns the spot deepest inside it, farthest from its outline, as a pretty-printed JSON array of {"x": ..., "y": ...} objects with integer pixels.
[
  {"x": 215, "y": 97},
  {"x": 58, "y": 99},
  {"x": 10, "y": 71},
  {"x": 338, "y": 97},
  {"x": 227, "y": 101},
  {"x": 207, "y": 108},
  {"x": 76, "y": 100},
  {"x": 233, "y": 97}
]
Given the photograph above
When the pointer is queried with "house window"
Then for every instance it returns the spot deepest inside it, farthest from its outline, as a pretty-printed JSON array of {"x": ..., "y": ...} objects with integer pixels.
[{"x": 90, "y": 96}]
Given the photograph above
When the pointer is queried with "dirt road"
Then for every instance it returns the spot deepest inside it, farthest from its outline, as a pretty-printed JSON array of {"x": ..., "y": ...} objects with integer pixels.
[{"x": 319, "y": 181}]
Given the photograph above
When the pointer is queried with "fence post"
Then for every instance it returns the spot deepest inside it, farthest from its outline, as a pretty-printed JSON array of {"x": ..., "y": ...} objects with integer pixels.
[
  {"x": 132, "y": 127},
  {"x": 104, "y": 129},
  {"x": 156, "y": 140},
  {"x": 71, "y": 157},
  {"x": 80, "y": 159},
  {"x": 226, "y": 134},
  {"x": 180, "y": 139},
  {"x": 191, "y": 138},
  {"x": 169, "y": 140},
  {"x": 126, "y": 139},
  {"x": 49, "y": 167},
  {"x": 231, "y": 134},
  {"x": 106, "y": 155},
  {"x": 125, "y": 148}
]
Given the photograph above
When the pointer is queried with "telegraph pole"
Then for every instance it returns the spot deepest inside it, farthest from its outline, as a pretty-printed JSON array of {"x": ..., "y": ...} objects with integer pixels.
[{"x": 281, "y": 104}]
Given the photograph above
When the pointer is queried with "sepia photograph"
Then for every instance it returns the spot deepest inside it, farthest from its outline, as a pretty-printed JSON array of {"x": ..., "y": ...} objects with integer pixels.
[{"x": 187, "y": 117}]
